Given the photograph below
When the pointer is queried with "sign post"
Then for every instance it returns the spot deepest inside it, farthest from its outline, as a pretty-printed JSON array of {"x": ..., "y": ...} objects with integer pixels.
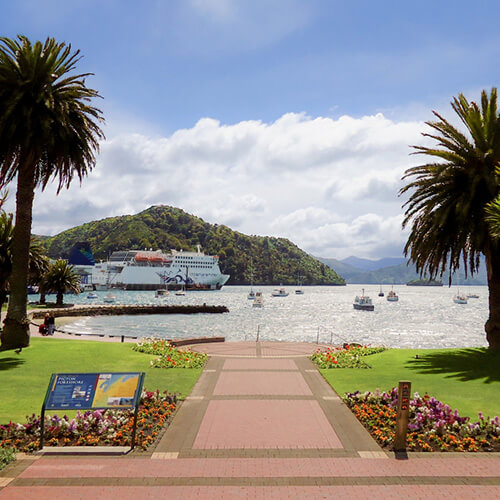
[
  {"x": 93, "y": 391},
  {"x": 403, "y": 411}
]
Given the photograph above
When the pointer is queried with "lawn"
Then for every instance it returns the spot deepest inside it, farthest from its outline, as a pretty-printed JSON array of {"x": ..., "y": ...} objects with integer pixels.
[
  {"x": 25, "y": 377},
  {"x": 466, "y": 379}
]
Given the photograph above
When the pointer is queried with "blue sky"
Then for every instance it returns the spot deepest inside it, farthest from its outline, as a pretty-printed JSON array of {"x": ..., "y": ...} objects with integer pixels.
[{"x": 194, "y": 89}]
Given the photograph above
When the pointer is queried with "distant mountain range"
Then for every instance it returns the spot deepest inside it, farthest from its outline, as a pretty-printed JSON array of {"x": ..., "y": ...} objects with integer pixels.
[{"x": 391, "y": 271}]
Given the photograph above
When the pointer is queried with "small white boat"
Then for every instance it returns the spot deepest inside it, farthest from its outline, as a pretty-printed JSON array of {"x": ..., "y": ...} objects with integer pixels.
[
  {"x": 299, "y": 292},
  {"x": 392, "y": 296},
  {"x": 109, "y": 298},
  {"x": 363, "y": 303},
  {"x": 381, "y": 293},
  {"x": 259, "y": 300},
  {"x": 279, "y": 292},
  {"x": 162, "y": 292},
  {"x": 180, "y": 292},
  {"x": 251, "y": 295},
  {"x": 460, "y": 299},
  {"x": 92, "y": 295}
]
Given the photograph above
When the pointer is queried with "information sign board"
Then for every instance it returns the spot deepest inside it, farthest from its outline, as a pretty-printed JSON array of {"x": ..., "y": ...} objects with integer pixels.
[
  {"x": 76, "y": 391},
  {"x": 81, "y": 391}
]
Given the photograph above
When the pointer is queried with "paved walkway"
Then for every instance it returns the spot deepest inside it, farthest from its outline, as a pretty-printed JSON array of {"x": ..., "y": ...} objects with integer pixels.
[{"x": 257, "y": 426}]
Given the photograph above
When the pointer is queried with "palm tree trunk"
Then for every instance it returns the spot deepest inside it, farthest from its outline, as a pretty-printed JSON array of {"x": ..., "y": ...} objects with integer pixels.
[
  {"x": 16, "y": 332},
  {"x": 59, "y": 299},
  {"x": 492, "y": 325}
]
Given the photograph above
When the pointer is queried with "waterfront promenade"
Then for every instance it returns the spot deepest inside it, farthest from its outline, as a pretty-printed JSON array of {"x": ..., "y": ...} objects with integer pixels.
[{"x": 260, "y": 423}]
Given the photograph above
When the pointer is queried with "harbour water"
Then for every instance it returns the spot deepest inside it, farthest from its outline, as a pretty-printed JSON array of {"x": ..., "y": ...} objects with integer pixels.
[{"x": 424, "y": 317}]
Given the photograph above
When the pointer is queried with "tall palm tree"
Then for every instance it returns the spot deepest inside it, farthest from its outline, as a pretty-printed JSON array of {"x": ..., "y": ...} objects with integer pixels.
[
  {"x": 446, "y": 208},
  {"x": 60, "y": 278},
  {"x": 48, "y": 129}
]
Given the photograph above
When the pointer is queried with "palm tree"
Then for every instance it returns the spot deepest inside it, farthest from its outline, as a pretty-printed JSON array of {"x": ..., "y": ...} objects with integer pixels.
[
  {"x": 38, "y": 261},
  {"x": 48, "y": 129},
  {"x": 6, "y": 229},
  {"x": 449, "y": 196},
  {"x": 60, "y": 278}
]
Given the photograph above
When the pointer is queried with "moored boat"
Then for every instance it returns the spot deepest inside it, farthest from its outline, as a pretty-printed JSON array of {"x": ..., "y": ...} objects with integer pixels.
[
  {"x": 392, "y": 296},
  {"x": 363, "y": 303},
  {"x": 279, "y": 292},
  {"x": 109, "y": 298},
  {"x": 259, "y": 300},
  {"x": 460, "y": 299}
]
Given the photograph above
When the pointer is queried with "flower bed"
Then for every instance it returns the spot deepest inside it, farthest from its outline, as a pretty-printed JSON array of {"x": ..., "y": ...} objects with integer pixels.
[
  {"x": 93, "y": 428},
  {"x": 433, "y": 426},
  {"x": 170, "y": 356},
  {"x": 349, "y": 356}
]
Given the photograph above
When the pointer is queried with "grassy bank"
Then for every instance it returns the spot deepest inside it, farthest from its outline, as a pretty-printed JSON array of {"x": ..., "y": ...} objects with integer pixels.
[
  {"x": 466, "y": 379},
  {"x": 25, "y": 376}
]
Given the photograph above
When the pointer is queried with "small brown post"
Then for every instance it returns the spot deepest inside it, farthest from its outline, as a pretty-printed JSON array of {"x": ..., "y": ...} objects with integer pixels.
[{"x": 404, "y": 392}]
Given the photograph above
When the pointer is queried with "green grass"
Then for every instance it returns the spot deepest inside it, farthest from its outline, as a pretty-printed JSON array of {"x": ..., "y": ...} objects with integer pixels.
[
  {"x": 24, "y": 377},
  {"x": 466, "y": 379}
]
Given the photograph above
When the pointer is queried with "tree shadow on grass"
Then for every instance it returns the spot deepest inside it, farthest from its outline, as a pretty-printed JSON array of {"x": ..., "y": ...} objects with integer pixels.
[
  {"x": 462, "y": 364},
  {"x": 9, "y": 363}
]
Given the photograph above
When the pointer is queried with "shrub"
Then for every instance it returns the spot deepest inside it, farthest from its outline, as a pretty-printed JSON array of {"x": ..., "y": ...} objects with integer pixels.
[
  {"x": 433, "y": 425},
  {"x": 169, "y": 356},
  {"x": 349, "y": 356},
  {"x": 7, "y": 455}
]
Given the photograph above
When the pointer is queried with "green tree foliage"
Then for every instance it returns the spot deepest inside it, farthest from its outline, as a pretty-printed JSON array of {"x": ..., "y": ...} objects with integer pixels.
[
  {"x": 59, "y": 279},
  {"x": 275, "y": 260},
  {"x": 48, "y": 130},
  {"x": 38, "y": 260},
  {"x": 449, "y": 195}
]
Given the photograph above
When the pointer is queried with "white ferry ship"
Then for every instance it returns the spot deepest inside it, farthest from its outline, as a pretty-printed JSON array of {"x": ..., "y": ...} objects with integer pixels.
[{"x": 150, "y": 270}]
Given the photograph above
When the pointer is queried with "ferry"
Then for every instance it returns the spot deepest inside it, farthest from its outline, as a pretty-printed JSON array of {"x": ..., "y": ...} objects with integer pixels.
[{"x": 151, "y": 270}]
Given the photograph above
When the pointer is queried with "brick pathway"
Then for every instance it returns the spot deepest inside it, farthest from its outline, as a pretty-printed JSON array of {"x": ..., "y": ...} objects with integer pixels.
[{"x": 257, "y": 426}]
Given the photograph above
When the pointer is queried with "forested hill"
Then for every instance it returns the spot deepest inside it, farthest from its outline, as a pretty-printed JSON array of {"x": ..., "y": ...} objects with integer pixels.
[{"x": 275, "y": 260}]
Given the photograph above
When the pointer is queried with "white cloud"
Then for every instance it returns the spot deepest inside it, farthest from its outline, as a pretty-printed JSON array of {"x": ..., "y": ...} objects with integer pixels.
[{"x": 328, "y": 185}]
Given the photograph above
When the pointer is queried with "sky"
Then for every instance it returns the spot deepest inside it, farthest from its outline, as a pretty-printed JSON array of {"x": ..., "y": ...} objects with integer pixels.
[{"x": 287, "y": 118}]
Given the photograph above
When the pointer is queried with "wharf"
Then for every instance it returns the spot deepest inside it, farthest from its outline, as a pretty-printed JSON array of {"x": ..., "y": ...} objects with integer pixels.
[{"x": 118, "y": 310}]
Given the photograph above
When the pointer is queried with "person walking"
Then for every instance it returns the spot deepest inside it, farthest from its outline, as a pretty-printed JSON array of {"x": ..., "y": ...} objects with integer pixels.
[{"x": 51, "y": 324}]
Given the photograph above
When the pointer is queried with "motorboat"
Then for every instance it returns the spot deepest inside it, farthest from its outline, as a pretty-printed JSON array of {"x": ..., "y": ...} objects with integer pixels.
[
  {"x": 92, "y": 295},
  {"x": 162, "y": 292},
  {"x": 109, "y": 298},
  {"x": 299, "y": 292},
  {"x": 251, "y": 295},
  {"x": 472, "y": 296},
  {"x": 259, "y": 300},
  {"x": 392, "y": 296},
  {"x": 279, "y": 292},
  {"x": 381, "y": 293},
  {"x": 460, "y": 299},
  {"x": 363, "y": 303}
]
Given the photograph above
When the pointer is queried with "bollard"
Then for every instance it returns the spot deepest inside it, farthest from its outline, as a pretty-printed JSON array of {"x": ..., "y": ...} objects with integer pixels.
[
  {"x": 403, "y": 411},
  {"x": 123, "y": 338}
]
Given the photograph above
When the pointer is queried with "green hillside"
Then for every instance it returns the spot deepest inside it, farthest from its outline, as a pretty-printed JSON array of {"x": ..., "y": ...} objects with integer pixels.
[{"x": 275, "y": 260}]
